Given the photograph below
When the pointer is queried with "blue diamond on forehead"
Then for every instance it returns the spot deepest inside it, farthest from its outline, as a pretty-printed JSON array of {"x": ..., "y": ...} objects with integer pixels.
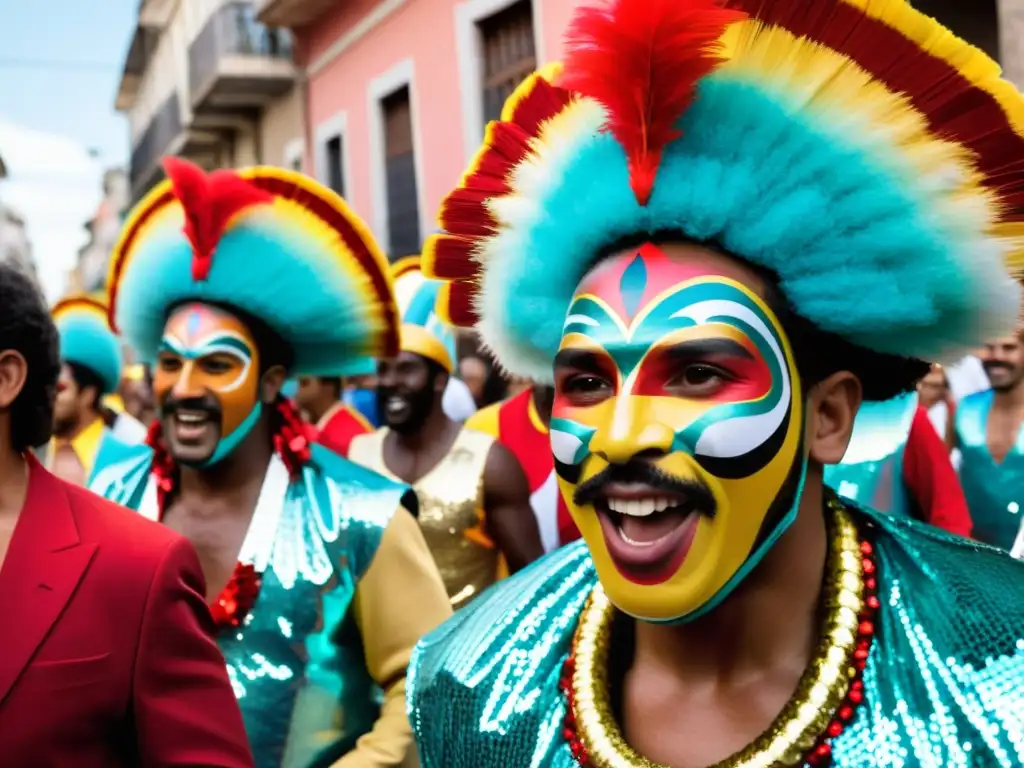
[
  {"x": 192, "y": 326},
  {"x": 633, "y": 284}
]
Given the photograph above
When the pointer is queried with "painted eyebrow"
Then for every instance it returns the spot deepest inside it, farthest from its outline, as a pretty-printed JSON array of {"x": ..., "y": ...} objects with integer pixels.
[
  {"x": 580, "y": 359},
  {"x": 698, "y": 348},
  {"x": 223, "y": 343}
]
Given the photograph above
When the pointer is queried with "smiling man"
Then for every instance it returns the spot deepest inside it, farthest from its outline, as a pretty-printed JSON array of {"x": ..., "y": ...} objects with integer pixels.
[
  {"x": 474, "y": 498},
  {"x": 91, "y": 362},
  {"x": 716, "y": 231},
  {"x": 302, "y": 550},
  {"x": 989, "y": 434}
]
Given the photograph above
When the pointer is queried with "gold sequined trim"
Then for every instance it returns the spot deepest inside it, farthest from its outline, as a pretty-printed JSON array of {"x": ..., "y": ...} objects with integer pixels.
[{"x": 802, "y": 721}]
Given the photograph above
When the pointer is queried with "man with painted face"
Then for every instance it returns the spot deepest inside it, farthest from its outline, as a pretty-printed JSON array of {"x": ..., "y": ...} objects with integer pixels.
[
  {"x": 318, "y": 576},
  {"x": 91, "y": 362},
  {"x": 474, "y": 499},
  {"x": 989, "y": 434},
  {"x": 717, "y": 230}
]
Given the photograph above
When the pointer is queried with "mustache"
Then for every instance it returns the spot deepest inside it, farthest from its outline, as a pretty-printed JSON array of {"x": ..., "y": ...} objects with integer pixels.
[
  {"x": 996, "y": 366},
  {"x": 206, "y": 404},
  {"x": 643, "y": 473}
]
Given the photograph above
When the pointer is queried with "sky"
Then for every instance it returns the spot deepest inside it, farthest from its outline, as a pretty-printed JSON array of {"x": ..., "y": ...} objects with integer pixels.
[{"x": 60, "y": 65}]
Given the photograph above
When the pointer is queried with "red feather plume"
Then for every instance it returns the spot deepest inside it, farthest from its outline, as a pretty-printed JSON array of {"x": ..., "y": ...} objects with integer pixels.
[
  {"x": 210, "y": 202},
  {"x": 642, "y": 60}
]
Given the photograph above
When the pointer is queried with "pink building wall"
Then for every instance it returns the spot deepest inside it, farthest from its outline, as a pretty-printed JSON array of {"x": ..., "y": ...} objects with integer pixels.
[{"x": 425, "y": 32}]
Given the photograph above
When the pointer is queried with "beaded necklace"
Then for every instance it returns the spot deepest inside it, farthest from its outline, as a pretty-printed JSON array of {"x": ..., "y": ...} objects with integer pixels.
[{"x": 825, "y": 700}]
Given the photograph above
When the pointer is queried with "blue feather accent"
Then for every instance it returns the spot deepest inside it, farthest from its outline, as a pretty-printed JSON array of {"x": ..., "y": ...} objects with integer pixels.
[{"x": 855, "y": 251}]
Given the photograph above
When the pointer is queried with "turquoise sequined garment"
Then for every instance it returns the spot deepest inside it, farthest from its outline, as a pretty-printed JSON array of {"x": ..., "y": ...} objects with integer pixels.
[
  {"x": 871, "y": 472},
  {"x": 995, "y": 492},
  {"x": 297, "y": 662},
  {"x": 944, "y": 684}
]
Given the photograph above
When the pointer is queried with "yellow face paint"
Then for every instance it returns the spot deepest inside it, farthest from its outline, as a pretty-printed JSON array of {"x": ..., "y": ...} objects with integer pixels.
[{"x": 676, "y": 430}]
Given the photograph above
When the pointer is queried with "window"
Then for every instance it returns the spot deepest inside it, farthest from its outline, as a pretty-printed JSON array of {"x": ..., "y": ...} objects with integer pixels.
[
  {"x": 400, "y": 175},
  {"x": 335, "y": 165},
  {"x": 509, "y": 54}
]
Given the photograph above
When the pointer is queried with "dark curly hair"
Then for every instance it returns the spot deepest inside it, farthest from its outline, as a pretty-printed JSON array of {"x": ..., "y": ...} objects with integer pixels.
[{"x": 26, "y": 328}]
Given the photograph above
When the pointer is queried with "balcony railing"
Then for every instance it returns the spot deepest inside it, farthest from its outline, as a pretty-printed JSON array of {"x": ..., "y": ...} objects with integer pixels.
[
  {"x": 163, "y": 129},
  {"x": 231, "y": 32}
]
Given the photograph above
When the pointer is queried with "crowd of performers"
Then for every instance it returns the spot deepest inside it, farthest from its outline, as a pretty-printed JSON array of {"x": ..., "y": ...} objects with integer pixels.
[{"x": 733, "y": 517}]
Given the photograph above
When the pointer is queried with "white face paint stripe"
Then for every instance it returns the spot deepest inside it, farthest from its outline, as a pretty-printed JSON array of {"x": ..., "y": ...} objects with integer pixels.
[
  {"x": 210, "y": 345},
  {"x": 738, "y": 436}
]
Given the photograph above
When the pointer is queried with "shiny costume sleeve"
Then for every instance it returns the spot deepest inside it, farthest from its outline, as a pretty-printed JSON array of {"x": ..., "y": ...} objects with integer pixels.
[{"x": 399, "y": 599}]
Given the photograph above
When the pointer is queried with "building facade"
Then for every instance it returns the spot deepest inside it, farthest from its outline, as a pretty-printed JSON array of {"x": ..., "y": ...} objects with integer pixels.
[
  {"x": 90, "y": 272},
  {"x": 205, "y": 80}
]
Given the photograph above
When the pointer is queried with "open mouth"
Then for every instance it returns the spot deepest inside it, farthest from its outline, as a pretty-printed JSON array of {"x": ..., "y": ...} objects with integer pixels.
[
  {"x": 192, "y": 426},
  {"x": 396, "y": 407},
  {"x": 648, "y": 531}
]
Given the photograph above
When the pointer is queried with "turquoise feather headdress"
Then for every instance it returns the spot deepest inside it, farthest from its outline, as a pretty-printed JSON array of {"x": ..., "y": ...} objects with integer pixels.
[
  {"x": 86, "y": 339},
  {"x": 854, "y": 148}
]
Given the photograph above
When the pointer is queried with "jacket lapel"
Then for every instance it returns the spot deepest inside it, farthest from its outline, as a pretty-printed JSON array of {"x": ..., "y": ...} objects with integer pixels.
[{"x": 44, "y": 564}]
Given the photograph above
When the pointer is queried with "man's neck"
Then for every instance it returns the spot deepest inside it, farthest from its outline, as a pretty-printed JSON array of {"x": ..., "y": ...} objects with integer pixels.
[
  {"x": 434, "y": 428},
  {"x": 84, "y": 421},
  {"x": 318, "y": 410},
  {"x": 13, "y": 484},
  {"x": 1010, "y": 399},
  {"x": 744, "y": 636},
  {"x": 236, "y": 474}
]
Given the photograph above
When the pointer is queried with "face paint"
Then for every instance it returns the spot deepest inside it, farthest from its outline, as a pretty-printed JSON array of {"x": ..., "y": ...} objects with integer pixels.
[
  {"x": 676, "y": 428},
  {"x": 207, "y": 384}
]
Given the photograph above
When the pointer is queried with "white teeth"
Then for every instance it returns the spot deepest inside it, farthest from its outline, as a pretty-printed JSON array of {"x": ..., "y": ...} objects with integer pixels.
[
  {"x": 191, "y": 418},
  {"x": 638, "y": 507},
  {"x": 628, "y": 540},
  {"x": 395, "y": 404}
]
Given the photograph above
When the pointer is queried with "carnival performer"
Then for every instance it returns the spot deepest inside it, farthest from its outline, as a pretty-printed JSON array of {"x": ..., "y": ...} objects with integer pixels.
[
  {"x": 474, "y": 498},
  {"x": 521, "y": 424},
  {"x": 318, "y": 576},
  {"x": 897, "y": 463},
  {"x": 719, "y": 229},
  {"x": 107, "y": 657},
  {"x": 990, "y": 438},
  {"x": 91, "y": 362},
  {"x": 337, "y": 424}
]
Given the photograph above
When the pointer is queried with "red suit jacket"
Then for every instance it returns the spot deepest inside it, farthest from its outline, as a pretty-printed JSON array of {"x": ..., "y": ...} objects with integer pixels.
[
  {"x": 107, "y": 657},
  {"x": 339, "y": 427}
]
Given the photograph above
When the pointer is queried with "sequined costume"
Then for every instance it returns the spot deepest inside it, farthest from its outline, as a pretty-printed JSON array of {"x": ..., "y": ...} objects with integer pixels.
[
  {"x": 929, "y": 698},
  {"x": 315, "y": 637},
  {"x": 451, "y": 511},
  {"x": 995, "y": 492},
  {"x": 897, "y": 463},
  {"x": 451, "y": 494},
  {"x": 702, "y": 228}
]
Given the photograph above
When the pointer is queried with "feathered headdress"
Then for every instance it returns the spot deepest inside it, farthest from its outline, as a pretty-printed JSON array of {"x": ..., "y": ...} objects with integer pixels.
[
  {"x": 855, "y": 148},
  {"x": 267, "y": 241},
  {"x": 424, "y": 332},
  {"x": 87, "y": 339}
]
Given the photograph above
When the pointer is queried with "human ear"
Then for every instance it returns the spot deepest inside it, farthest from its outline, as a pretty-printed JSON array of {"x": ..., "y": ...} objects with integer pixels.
[
  {"x": 13, "y": 372},
  {"x": 271, "y": 382},
  {"x": 832, "y": 406}
]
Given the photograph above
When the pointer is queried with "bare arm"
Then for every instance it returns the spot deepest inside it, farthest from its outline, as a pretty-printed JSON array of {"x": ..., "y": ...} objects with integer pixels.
[
  {"x": 398, "y": 600},
  {"x": 510, "y": 519}
]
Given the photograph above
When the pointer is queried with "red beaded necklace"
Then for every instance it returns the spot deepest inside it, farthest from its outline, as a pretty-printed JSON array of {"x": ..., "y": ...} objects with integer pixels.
[
  {"x": 820, "y": 755},
  {"x": 290, "y": 443}
]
